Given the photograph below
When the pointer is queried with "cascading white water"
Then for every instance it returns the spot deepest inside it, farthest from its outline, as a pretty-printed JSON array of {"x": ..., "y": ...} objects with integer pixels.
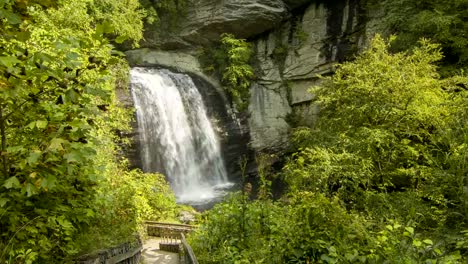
[{"x": 176, "y": 136}]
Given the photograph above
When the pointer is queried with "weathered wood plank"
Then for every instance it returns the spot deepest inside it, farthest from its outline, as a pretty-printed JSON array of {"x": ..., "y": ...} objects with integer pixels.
[
  {"x": 169, "y": 224},
  {"x": 189, "y": 254},
  {"x": 121, "y": 257}
]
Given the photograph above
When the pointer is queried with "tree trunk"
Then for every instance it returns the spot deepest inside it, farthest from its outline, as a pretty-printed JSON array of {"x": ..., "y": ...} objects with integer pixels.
[{"x": 3, "y": 136}]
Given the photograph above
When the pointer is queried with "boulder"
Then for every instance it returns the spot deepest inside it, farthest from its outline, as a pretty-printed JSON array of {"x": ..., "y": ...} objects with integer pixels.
[
  {"x": 187, "y": 217},
  {"x": 243, "y": 18}
]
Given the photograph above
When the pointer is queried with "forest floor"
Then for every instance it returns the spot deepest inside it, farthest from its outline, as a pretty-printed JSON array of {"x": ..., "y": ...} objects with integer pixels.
[{"x": 151, "y": 253}]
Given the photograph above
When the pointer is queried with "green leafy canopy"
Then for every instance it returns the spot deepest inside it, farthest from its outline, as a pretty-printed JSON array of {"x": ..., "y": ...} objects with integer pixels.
[{"x": 58, "y": 118}]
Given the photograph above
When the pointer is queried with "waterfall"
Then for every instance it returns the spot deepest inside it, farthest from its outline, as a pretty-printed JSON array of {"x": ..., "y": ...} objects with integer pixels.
[{"x": 176, "y": 136}]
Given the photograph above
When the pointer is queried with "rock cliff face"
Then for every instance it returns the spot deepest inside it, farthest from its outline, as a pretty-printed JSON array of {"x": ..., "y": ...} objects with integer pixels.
[
  {"x": 294, "y": 41},
  {"x": 206, "y": 20},
  {"x": 289, "y": 59}
]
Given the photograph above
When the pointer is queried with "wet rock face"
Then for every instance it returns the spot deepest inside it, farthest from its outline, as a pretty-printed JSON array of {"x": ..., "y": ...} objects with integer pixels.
[
  {"x": 294, "y": 42},
  {"x": 231, "y": 128},
  {"x": 289, "y": 59}
]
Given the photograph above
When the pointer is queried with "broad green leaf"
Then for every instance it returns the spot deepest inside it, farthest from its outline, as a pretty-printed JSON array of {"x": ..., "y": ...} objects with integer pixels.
[
  {"x": 71, "y": 96},
  {"x": 49, "y": 182},
  {"x": 428, "y": 241},
  {"x": 11, "y": 17},
  {"x": 43, "y": 57},
  {"x": 72, "y": 60},
  {"x": 121, "y": 39},
  {"x": 31, "y": 125},
  {"x": 3, "y": 201},
  {"x": 12, "y": 182},
  {"x": 99, "y": 30},
  {"x": 409, "y": 229},
  {"x": 90, "y": 213},
  {"x": 23, "y": 35},
  {"x": 33, "y": 157},
  {"x": 41, "y": 124},
  {"x": 9, "y": 61},
  {"x": 73, "y": 156},
  {"x": 56, "y": 144},
  {"x": 61, "y": 46},
  {"x": 107, "y": 27},
  {"x": 64, "y": 223},
  {"x": 33, "y": 230},
  {"x": 417, "y": 243},
  {"x": 15, "y": 149},
  {"x": 30, "y": 189}
]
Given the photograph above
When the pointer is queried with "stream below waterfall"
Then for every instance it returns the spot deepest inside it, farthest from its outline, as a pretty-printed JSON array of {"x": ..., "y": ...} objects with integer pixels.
[{"x": 176, "y": 136}]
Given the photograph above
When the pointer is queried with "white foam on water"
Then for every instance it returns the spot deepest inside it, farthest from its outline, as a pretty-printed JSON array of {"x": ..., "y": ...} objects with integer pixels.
[{"x": 176, "y": 135}]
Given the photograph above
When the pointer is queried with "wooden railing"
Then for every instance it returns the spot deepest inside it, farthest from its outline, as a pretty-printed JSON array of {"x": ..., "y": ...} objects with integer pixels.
[
  {"x": 130, "y": 253},
  {"x": 159, "y": 229},
  {"x": 188, "y": 254},
  {"x": 173, "y": 238},
  {"x": 123, "y": 254}
]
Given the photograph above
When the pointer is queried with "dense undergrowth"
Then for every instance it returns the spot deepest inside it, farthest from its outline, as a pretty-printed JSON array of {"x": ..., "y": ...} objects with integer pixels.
[
  {"x": 380, "y": 179},
  {"x": 64, "y": 190}
]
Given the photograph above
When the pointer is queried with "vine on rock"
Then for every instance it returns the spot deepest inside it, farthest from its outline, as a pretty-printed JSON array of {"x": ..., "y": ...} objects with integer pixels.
[{"x": 231, "y": 60}]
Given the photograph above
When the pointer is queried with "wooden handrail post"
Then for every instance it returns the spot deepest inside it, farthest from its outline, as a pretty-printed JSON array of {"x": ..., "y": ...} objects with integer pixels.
[{"x": 192, "y": 259}]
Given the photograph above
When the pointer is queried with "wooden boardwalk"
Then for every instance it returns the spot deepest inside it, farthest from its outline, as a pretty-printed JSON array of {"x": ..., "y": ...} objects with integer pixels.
[
  {"x": 151, "y": 254},
  {"x": 171, "y": 238}
]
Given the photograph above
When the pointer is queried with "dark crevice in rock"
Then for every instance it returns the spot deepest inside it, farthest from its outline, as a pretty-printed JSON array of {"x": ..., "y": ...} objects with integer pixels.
[
  {"x": 335, "y": 11},
  {"x": 341, "y": 43},
  {"x": 235, "y": 136}
]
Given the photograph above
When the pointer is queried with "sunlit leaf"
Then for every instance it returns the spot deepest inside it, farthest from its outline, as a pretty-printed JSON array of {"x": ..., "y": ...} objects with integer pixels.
[
  {"x": 30, "y": 189},
  {"x": 9, "y": 61},
  {"x": 41, "y": 124},
  {"x": 3, "y": 201},
  {"x": 11, "y": 17},
  {"x": 12, "y": 182},
  {"x": 33, "y": 157},
  {"x": 56, "y": 144}
]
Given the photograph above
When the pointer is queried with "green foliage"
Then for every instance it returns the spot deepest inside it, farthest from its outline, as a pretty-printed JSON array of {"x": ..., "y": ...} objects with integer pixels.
[
  {"x": 381, "y": 178},
  {"x": 124, "y": 200},
  {"x": 382, "y": 120},
  {"x": 167, "y": 13},
  {"x": 307, "y": 228},
  {"x": 389, "y": 140},
  {"x": 235, "y": 232},
  {"x": 280, "y": 52},
  {"x": 231, "y": 60},
  {"x": 444, "y": 22},
  {"x": 58, "y": 116}
]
